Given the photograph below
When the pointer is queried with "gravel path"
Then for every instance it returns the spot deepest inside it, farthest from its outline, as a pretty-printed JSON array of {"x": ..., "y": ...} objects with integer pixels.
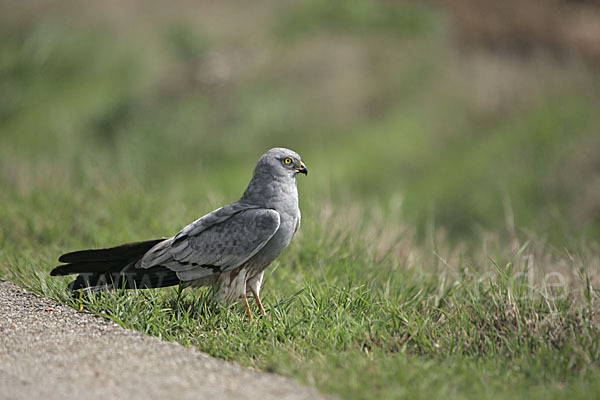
[{"x": 51, "y": 351}]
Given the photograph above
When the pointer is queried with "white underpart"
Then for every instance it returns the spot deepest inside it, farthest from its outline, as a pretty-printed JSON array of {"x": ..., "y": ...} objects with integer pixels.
[
  {"x": 253, "y": 284},
  {"x": 231, "y": 285}
]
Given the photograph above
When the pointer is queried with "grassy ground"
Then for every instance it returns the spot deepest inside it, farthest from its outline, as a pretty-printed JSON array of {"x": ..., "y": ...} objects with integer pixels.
[
  {"x": 448, "y": 218},
  {"x": 359, "y": 309}
]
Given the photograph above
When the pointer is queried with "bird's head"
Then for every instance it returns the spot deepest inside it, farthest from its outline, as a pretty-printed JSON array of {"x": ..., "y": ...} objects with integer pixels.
[
  {"x": 280, "y": 161},
  {"x": 274, "y": 176}
]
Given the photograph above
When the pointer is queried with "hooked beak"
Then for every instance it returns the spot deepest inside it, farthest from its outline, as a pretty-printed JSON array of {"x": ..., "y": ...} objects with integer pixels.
[{"x": 301, "y": 169}]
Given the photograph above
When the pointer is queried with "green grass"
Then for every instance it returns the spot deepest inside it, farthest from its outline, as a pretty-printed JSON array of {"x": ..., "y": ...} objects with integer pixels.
[
  {"x": 360, "y": 310},
  {"x": 447, "y": 244}
]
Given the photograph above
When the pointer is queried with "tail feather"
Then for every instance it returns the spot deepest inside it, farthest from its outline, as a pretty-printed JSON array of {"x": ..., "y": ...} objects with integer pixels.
[
  {"x": 122, "y": 252},
  {"x": 111, "y": 268},
  {"x": 87, "y": 267},
  {"x": 152, "y": 278}
]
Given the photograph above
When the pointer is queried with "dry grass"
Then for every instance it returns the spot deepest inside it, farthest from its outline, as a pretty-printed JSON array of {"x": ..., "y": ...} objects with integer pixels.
[{"x": 443, "y": 250}]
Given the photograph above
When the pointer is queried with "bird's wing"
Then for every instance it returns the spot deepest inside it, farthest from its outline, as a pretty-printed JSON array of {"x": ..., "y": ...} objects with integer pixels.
[{"x": 219, "y": 241}]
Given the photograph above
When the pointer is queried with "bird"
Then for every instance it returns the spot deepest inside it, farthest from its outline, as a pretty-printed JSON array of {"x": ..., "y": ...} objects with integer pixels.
[{"x": 227, "y": 249}]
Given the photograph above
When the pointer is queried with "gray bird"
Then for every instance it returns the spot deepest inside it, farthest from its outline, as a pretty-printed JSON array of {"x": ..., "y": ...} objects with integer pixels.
[{"x": 228, "y": 248}]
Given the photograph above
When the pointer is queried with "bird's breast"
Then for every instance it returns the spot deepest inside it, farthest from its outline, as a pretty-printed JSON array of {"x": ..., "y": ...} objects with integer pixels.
[{"x": 280, "y": 240}]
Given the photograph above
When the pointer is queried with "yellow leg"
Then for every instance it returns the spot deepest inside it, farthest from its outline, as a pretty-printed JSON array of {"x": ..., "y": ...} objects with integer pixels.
[
  {"x": 247, "y": 306},
  {"x": 262, "y": 309}
]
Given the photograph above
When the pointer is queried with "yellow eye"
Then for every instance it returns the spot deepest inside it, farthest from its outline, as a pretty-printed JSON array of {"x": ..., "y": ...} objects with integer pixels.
[{"x": 287, "y": 161}]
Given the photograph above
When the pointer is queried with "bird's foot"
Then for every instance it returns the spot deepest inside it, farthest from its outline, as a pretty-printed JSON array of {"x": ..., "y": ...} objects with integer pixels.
[
  {"x": 267, "y": 317},
  {"x": 260, "y": 306}
]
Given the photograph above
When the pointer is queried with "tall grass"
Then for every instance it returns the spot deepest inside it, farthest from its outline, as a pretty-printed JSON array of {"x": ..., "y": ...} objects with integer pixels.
[
  {"x": 447, "y": 245},
  {"x": 359, "y": 307}
]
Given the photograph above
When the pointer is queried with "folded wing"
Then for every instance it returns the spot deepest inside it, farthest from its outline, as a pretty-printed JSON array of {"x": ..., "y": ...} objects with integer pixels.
[{"x": 222, "y": 240}]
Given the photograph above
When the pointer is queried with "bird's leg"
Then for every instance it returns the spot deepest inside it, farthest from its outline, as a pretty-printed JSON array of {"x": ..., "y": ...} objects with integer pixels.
[
  {"x": 247, "y": 306},
  {"x": 262, "y": 309}
]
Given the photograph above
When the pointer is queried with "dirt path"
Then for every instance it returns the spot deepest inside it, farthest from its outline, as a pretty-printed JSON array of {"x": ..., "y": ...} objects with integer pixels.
[{"x": 54, "y": 352}]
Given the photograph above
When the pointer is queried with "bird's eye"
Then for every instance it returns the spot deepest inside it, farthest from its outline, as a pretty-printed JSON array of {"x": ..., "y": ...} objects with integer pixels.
[{"x": 287, "y": 161}]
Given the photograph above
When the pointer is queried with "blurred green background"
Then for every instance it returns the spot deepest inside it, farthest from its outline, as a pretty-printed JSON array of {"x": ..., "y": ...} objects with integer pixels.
[{"x": 465, "y": 117}]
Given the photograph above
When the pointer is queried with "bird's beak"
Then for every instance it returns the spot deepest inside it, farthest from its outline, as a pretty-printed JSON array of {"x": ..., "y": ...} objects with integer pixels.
[{"x": 301, "y": 169}]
